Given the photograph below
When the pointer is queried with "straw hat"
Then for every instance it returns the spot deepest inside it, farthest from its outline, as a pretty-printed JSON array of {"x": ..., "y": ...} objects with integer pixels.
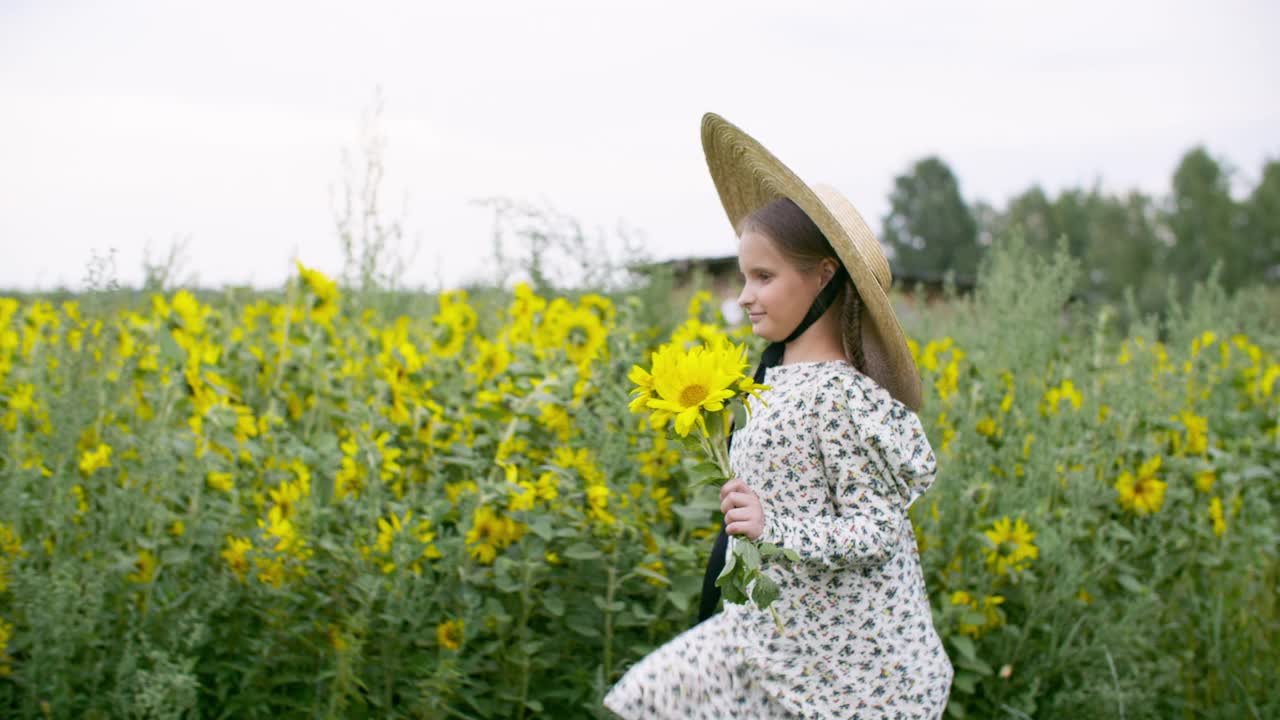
[{"x": 747, "y": 177}]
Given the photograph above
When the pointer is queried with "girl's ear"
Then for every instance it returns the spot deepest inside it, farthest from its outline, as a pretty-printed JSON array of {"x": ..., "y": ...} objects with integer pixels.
[{"x": 829, "y": 270}]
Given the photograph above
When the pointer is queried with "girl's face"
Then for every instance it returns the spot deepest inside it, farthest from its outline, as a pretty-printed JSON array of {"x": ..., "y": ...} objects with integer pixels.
[{"x": 775, "y": 295}]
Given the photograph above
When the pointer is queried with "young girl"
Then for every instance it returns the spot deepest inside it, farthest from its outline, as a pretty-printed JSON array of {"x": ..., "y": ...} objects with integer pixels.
[{"x": 828, "y": 469}]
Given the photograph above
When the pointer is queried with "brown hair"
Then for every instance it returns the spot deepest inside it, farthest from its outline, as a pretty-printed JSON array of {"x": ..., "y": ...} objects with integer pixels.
[{"x": 801, "y": 242}]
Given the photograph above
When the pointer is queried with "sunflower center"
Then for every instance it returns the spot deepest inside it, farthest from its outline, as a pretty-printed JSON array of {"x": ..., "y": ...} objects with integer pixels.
[
  {"x": 578, "y": 336},
  {"x": 693, "y": 395}
]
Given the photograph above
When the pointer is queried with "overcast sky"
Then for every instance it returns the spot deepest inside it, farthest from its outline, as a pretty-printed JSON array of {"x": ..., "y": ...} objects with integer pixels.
[{"x": 126, "y": 123}]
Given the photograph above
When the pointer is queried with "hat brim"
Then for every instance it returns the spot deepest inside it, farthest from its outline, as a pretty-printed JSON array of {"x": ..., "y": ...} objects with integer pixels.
[{"x": 747, "y": 176}]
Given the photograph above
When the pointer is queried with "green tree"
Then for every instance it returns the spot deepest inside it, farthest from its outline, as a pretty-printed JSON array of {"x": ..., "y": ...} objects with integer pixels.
[
  {"x": 1124, "y": 249},
  {"x": 1262, "y": 229},
  {"x": 1204, "y": 220},
  {"x": 929, "y": 228}
]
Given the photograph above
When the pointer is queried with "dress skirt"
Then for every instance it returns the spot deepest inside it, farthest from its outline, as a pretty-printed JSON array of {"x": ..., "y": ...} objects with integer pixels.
[{"x": 699, "y": 674}]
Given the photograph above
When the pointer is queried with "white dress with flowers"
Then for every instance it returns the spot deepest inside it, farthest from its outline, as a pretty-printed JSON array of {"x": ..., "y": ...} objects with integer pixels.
[{"x": 836, "y": 461}]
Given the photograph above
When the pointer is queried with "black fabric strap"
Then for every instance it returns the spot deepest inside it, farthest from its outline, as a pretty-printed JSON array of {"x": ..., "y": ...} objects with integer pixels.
[{"x": 771, "y": 356}]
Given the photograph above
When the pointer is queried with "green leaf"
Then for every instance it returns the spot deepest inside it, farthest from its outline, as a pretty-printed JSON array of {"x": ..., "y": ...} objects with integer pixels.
[
  {"x": 614, "y": 607},
  {"x": 705, "y": 467},
  {"x": 730, "y": 561},
  {"x": 580, "y": 626},
  {"x": 1123, "y": 533},
  {"x": 764, "y": 592},
  {"x": 1257, "y": 472},
  {"x": 732, "y": 590},
  {"x": 646, "y": 572},
  {"x": 554, "y": 605},
  {"x": 690, "y": 441},
  {"x": 1130, "y": 583},
  {"x": 967, "y": 683},
  {"x": 747, "y": 550},
  {"x": 541, "y": 526},
  {"x": 964, "y": 645},
  {"x": 582, "y": 551},
  {"x": 976, "y": 665},
  {"x": 692, "y": 513},
  {"x": 175, "y": 556}
]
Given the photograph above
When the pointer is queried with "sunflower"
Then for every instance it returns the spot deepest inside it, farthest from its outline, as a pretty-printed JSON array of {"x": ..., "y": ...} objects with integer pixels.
[
  {"x": 450, "y": 634},
  {"x": 687, "y": 383},
  {"x": 1011, "y": 546},
  {"x": 1143, "y": 494},
  {"x": 582, "y": 335}
]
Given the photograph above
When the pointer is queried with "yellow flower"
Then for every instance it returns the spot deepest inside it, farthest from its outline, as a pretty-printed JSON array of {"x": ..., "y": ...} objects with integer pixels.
[
  {"x": 948, "y": 382},
  {"x": 644, "y": 390},
  {"x": 1011, "y": 547},
  {"x": 337, "y": 639},
  {"x": 1202, "y": 341},
  {"x": 485, "y": 536},
  {"x": 450, "y": 634},
  {"x": 6, "y": 634},
  {"x": 1215, "y": 513},
  {"x": 1144, "y": 493},
  {"x": 694, "y": 331},
  {"x": 144, "y": 567},
  {"x": 556, "y": 419},
  {"x": 483, "y": 551},
  {"x": 1197, "y": 438},
  {"x": 987, "y": 426},
  {"x": 582, "y": 335},
  {"x": 425, "y": 535},
  {"x": 220, "y": 481},
  {"x": 270, "y": 570},
  {"x": 454, "y": 491},
  {"x": 686, "y": 383},
  {"x": 492, "y": 359},
  {"x": 279, "y": 527},
  {"x": 1205, "y": 480},
  {"x": 325, "y": 306},
  {"x": 10, "y": 543},
  {"x": 93, "y": 460},
  {"x": 455, "y": 320},
  {"x": 989, "y": 609},
  {"x": 1055, "y": 395},
  {"x": 236, "y": 555},
  {"x": 598, "y": 502}
]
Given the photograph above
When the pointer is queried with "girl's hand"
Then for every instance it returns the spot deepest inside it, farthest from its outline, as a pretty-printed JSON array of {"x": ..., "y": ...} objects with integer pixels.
[{"x": 742, "y": 511}]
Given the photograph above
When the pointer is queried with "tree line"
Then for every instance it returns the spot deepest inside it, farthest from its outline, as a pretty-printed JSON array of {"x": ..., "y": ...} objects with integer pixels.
[{"x": 1130, "y": 240}]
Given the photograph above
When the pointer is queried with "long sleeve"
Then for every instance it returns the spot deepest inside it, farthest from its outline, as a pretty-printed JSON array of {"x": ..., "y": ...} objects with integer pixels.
[{"x": 877, "y": 460}]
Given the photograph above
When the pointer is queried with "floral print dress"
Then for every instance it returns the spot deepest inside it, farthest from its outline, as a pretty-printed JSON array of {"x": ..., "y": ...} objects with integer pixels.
[{"x": 836, "y": 461}]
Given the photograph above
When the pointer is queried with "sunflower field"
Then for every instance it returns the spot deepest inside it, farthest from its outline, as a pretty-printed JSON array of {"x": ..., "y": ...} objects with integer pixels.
[{"x": 301, "y": 504}]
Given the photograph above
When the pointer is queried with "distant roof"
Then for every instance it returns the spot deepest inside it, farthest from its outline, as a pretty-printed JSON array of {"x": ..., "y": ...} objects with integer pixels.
[{"x": 716, "y": 263}]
